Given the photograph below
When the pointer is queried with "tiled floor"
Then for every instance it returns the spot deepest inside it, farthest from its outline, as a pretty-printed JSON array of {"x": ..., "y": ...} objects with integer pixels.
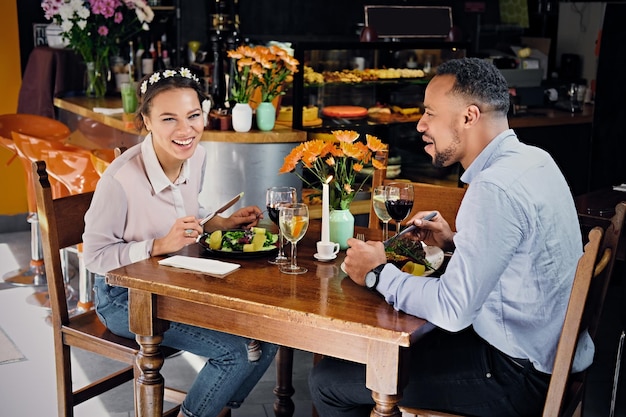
[{"x": 27, "y": 388}]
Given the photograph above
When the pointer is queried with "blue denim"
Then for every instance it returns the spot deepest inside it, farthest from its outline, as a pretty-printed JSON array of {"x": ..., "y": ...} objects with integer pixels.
[
  {"x": 228, "y": 375},
  {"x": 452, "y": 372}
]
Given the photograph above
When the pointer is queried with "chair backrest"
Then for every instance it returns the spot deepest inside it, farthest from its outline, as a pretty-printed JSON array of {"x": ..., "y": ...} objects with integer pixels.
[
  {"x": 572, "y": 325},
  {"x": 445, "y": 199},
  {"x": 62, "y": 224},
  {"x": 68, "y": 165},
  {"x": 608, "y": 251}
]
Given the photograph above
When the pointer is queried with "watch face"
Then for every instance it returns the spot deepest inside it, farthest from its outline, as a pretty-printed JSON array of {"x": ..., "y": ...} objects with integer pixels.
[{"x": 370, "y": 279}]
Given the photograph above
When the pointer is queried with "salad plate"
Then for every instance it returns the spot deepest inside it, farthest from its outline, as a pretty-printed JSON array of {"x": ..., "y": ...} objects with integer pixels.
[{"x": 232, "y": 242}]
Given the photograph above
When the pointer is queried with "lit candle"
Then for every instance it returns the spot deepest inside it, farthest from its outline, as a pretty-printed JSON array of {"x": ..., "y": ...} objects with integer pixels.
[{"x": 325, "y": 211}]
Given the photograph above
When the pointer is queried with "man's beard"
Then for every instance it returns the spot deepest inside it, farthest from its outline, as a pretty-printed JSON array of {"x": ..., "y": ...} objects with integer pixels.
[{"x": 446, "y": 157}]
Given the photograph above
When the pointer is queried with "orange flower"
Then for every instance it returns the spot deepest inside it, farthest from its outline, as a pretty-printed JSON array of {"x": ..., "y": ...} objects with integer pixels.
[
  {"x": 342, "y": 157},
  {"x": 263, "y": 67},
  {"x": 347, "y": 136}
]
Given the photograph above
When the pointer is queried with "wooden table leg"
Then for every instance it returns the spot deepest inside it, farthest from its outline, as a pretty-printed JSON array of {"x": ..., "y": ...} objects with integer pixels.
[
  {"x": 386, "y": 405},
  {"x": 283, "y": 406},
  {"x": 149, "y": 386},
  {"x": 386, "y": 378}
]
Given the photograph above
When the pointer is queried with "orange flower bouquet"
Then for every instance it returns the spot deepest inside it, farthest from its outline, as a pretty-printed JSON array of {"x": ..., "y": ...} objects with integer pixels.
[
  {"x": 342, "y": 158},
  {"x": 263, "y": 67}
]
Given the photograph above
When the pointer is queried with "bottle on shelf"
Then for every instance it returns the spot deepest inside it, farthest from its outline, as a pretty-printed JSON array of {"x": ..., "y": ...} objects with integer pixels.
[
  {"x": 138, "y": 59},
  {"x": 166, "y": 59},
  {"x": 159, "y": 64},
  {"x": 147, "y": 62},
  {"x": 131, "y": 62}
]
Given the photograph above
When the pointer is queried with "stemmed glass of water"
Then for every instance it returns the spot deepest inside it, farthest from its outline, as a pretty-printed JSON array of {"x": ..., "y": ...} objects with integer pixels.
[
  {"x": 378, "y": 201},
  {"x": 293, "y": 220},
  {"x": 275, "y": 198}
]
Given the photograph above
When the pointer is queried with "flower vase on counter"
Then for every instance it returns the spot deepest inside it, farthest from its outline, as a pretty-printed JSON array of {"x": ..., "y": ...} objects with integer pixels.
[
  {"x": 96, "y": 79},
  {"x": 242, "y": 117},
  {"x": 265, "y": 116},
  {"x": 341, "y": 226}
]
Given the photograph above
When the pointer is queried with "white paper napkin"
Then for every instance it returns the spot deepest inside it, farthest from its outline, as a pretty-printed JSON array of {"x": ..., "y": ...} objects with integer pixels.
[
  {"x": 108, "y": 111},
  {"x": 621, "y": 187},
  {"x": 208, "y": 266}
]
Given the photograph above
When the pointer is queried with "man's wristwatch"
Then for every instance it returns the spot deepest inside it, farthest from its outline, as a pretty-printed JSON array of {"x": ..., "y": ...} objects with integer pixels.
[{"x": 371, "y": 278}]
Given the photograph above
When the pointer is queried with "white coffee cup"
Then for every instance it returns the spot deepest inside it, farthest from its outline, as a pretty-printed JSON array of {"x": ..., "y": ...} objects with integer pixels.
[{"x": 327, "y": 249}]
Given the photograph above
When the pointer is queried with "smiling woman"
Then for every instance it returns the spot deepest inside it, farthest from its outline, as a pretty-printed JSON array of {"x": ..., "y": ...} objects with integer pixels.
[{"x": 165, "y": 174}]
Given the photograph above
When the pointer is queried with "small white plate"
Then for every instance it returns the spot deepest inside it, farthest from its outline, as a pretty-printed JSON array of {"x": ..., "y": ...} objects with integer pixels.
[{"x": 320, "y": 258}]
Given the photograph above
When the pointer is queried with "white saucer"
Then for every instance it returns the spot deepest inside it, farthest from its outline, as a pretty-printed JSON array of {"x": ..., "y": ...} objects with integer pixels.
[{"x": 320, "y": 258}]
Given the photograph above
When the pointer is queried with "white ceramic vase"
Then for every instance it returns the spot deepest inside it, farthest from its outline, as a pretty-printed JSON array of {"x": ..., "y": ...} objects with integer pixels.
[{"x": 242, "y": 117}]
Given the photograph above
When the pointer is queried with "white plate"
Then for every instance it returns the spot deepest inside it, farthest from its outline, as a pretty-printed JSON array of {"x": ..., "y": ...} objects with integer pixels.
[{"x": 435, "y": 256}]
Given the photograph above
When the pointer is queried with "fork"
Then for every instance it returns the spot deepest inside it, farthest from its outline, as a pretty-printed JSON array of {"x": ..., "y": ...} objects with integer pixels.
[{"x": 361, "y": 236}]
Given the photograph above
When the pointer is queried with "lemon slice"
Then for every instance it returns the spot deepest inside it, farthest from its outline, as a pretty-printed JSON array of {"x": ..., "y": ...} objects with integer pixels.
[
  {"x": 215, "y": 240},
  {"x": 258, "y": 240},
  {"x": 414, "y": 268}
]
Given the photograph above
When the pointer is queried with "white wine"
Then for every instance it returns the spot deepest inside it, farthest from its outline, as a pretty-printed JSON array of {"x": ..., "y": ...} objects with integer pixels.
[
  {"x": 380, "y": 209},
  {"x": 294, "y": 228}
]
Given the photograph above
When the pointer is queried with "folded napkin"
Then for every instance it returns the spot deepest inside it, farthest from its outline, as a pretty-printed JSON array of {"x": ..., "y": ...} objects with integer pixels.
[
  {"x": 108, "y": 111},
  {"x": 621, "y": 187},
  {"x": 208, "y": 266}
]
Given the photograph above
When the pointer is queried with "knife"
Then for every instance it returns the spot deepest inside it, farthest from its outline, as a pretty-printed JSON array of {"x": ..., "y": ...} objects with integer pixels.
[
  {"x": 412, "y": 227},
  {"x": 221, "y": 209}
]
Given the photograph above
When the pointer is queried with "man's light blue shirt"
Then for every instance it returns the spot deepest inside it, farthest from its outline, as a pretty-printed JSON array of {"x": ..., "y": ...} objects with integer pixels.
[{"x": 518, "y": 242}]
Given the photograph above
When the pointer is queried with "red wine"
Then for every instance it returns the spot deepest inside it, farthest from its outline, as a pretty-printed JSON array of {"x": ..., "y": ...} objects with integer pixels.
[
  {"x": 273, "y": 213},
  {"x": 399, "y": 209}
]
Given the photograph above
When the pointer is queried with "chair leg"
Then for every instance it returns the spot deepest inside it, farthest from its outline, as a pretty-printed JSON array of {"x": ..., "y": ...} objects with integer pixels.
[{"x": 618, "y": 362}]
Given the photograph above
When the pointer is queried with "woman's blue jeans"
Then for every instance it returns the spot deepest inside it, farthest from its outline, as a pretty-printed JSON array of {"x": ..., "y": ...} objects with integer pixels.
[{"x": 228, "y": 375}]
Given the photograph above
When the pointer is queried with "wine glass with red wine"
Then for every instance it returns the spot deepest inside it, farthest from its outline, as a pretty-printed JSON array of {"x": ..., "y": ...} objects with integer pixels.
[
  {"x": 275, "y": 198},
  {"x": 399, "y": 201}
]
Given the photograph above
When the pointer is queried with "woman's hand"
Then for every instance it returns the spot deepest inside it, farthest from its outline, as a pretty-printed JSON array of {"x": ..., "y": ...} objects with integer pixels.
[
  {"x": 244, "y": 218},
  {"x": 435, "y": 232},
  {"x": 362, "y": 257},
  {"x": 184, "y": 232}
]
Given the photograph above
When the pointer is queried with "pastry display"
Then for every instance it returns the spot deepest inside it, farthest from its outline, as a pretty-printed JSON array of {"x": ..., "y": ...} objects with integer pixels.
[
  {"x": 344, "y": 112},
  {"x": 394, "y": 114},
  {"x": 309, "y": 116}
]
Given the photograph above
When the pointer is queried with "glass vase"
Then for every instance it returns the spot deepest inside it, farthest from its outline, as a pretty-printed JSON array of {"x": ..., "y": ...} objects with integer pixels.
[
  {"x": 265, "y": 116},
  {"x": 242, "y": 117},
  {"x": 341, "y": 227},
  {"x": 97, "y": 77}
]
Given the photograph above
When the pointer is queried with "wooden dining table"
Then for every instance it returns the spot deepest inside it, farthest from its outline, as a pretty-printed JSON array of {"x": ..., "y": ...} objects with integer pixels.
[{"x": 321, "y": 311}]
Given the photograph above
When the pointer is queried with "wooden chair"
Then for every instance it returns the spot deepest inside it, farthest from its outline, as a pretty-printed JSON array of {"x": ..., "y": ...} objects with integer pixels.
[
  {"x": 62, "y": 225},
  {"x": 565, "y": 391}
]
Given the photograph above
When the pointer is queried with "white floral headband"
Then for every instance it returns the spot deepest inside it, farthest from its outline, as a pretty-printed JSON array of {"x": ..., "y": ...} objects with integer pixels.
[{"x": 158, "y": 76}]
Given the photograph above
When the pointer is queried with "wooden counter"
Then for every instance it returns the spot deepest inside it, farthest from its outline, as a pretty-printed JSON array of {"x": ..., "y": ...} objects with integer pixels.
[
  {"x": 236, "y": 162},
  {"x": 84, "y": 106},
  {"x": 543, "y": 117}
]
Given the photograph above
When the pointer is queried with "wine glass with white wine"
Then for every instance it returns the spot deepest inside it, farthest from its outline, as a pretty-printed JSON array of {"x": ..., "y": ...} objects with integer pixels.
[
  {"x": 378, "y": 201},
  {"x": 294, "y": 222},
  {"x": 275, "y": 198}
]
